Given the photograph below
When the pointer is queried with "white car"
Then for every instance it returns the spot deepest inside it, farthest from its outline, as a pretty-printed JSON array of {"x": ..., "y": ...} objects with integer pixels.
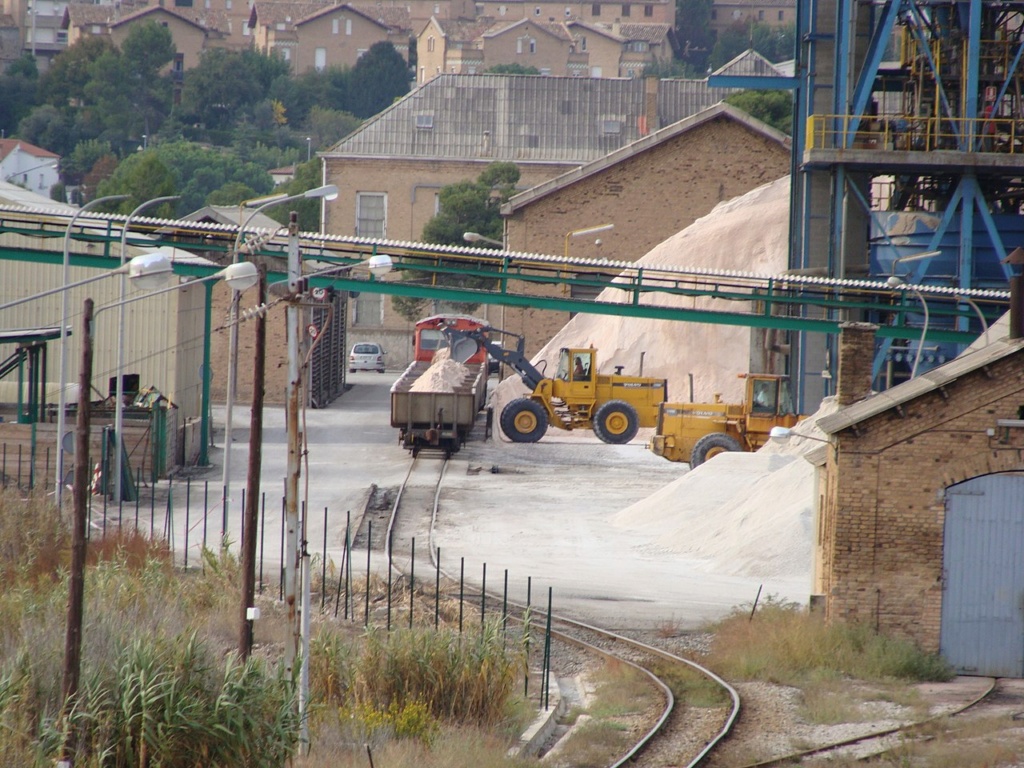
[{"x": 366, "y": 356}]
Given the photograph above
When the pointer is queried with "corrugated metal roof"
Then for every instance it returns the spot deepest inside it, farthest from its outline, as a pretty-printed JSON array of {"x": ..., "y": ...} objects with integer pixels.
[
  {"x": 521, "y": 118},
  {"x": 720, "y": 110},
  {"x": 974, "y": 358}
]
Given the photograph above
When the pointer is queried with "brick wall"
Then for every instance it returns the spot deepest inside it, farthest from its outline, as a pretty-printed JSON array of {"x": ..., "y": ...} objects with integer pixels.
[
  {"x": 882, "y": 526},
  {"x": 649, "y": 197}
]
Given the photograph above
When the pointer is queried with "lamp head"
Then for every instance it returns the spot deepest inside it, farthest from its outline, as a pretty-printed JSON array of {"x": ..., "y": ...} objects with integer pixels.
[
  {"x": 240, "y": 276},
  {"x": 379, "y": 264},
  {"x": 150, "y": 271},
  {"x": 327, "y": 192},
  {"x": 472, "y": 237},
  {"x": 894, "y": 281},
  {"x": 780, "y": 433}
]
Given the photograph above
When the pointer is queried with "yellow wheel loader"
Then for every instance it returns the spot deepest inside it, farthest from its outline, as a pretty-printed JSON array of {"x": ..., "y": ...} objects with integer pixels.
[
  {"x": 694, "y": 432},
  {"x": 576, "y": 397}
]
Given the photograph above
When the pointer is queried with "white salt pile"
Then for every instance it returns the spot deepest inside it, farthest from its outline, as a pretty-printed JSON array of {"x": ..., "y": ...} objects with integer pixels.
[
  {"x": 743, "y": 514},
  {"x": 739, "y": 514},
  {"x": 750, "y": 234},
  {"x": 443, "y": 375}
]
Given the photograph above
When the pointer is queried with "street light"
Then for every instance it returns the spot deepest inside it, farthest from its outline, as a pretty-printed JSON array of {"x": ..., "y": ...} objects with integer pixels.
[
  {"x": 896, "y": 282},
  {"x": 586, "y": 231},
  {"x": 239, "y": 277},
  {"x": 61, "y": 397},
  {"x": 476, "y": 237},
  {"x": 326, "y": 192},
  {"x": 119, "y": 370},
  {"x": 309, "y": 148}
]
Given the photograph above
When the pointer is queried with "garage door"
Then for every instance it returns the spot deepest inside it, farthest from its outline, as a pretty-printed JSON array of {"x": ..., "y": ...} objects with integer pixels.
[{"x": 982, "y": 629}]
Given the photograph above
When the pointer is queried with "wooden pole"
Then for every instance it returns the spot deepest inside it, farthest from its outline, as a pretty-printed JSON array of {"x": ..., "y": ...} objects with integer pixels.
[
  {"x": 252, "y": 488},
  {"x": 80, "y": 518}
]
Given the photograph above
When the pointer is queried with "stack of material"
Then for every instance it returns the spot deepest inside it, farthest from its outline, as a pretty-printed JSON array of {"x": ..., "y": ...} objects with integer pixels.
[{"x": 443, "y": 375}]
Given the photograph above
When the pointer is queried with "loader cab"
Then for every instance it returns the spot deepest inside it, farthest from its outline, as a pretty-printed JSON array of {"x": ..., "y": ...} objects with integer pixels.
[
  {"x": 576, "y": 365},
  {"x": 769, "y": 396}
]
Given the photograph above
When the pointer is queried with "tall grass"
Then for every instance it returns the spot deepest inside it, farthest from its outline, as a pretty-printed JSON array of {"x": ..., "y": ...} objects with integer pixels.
[
  {"x": 783, "y": 643},
  {"x": 161, "y": 684}
]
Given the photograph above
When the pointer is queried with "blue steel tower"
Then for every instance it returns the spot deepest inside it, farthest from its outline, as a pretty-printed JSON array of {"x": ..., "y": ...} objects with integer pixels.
[{"x": 908, "y": 142}]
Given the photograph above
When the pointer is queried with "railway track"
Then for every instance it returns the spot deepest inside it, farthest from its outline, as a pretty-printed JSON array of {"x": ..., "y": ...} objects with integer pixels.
[{"x": 680, "y": 733}]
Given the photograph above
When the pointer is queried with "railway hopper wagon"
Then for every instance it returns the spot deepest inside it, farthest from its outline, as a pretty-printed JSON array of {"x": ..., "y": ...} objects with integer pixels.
[{"x": 438, "y": 414}]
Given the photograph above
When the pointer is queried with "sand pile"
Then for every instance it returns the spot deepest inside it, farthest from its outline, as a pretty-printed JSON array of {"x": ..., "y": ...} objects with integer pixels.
[
  {"x": 743, "y": 514},
  {"x": 739, "y": 514},
  {"x": 443, "y": 375},
  {"x": 750, "y": 234}
]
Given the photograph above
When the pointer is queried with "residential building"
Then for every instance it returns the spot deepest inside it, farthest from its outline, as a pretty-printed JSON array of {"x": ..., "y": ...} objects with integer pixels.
[
  {"x": 39, "y": 23},
  {"x": 599, "y": 11},
  {"x": 192, "y": 32},
  {"x": 390, "y": 171},
  {"x": 649, "y": 190},
  {"x": 28, "y": 166},
  {"x": 320, "y": 35},
  {"x": 774, "y": 13},
  {"x": 573, "y": 49}
]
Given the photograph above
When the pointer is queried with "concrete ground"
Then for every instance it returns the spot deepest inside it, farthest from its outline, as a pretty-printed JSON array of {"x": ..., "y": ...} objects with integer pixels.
[{"x": 539, "y": 512}]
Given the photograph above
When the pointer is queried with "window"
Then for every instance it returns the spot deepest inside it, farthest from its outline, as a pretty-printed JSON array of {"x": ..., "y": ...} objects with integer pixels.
[
  {"x": 96, "y": 29},
  {"x": 430, "y": 43},
  {"x": 437, "y": 210},
  {"x": 536, "y": 11},
  {"x": 348, "y": 26},
  {"x": 583, "y": 43},
  {"x": 625, "y": 11},
  {"x": 182, "y": 3},
  {"x": 611, "y": 126},
  {"x": 227, "y": 5},
  {"x": 245, "y": 29},
  {"x": 760, "y": 15},
  {"x": 62, "y": 36},
  {"x": 320, "y": 59},
  {"x": 286, "y": 54},
  {"x": 368, "y": 309},
  {"x": 425, "y": 122},
  {"x": 335, "y": 26},
  {"x": 179, "y": 62},
  {"x": 437, "y": 8},
  {"x": 519, "y": 45},
  {"x": 502, "y": 10},
  {"x": 546, "y": 71},
  {"x": 595, "y": 10},
  {"x": 782, "y": 15},
  {"x": 360, "y": 52},
  {"x": 648, "y": 11},
  {"x": 533, "y": 45},
  {"x": 568, "y": 13},
  {"x": 207, "y": 4},
  {"x": 371, "y": 213}
]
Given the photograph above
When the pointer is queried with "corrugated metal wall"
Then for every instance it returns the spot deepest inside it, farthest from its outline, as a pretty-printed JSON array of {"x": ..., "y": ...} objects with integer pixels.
[
  {"x": 163, "y": 347},
  {"x": 982, "y": 629}
]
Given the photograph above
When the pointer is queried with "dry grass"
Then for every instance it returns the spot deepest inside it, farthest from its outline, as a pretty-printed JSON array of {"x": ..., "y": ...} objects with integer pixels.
[
  {"x": 161, "y": 683},
  {"x": 785, "y": 644}
]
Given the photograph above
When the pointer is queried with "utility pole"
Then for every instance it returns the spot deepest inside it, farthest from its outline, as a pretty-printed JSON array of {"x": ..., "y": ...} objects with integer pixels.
[
  {"x": 252, "y": 491},
  {"x": 76, "y": 579},
  {"x": 291, "y": 485}
]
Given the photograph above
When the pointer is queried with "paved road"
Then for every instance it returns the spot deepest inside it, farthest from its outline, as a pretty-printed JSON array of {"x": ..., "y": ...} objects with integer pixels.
[{"x": 543, "y": 514}]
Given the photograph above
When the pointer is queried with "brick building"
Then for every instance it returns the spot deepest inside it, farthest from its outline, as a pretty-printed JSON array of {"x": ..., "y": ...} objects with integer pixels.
[
  {"x": 920, "y": 530},
  {"x": 390, "y": 171},
  {"x": 650, "y": 190}
]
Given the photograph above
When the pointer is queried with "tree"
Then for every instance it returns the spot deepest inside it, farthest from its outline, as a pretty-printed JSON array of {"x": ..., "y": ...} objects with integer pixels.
[
  {"x": 774, "y": 43},
  {"x": 693, "y": 20},
  {"x": 20, "y": 87},
  {"x": 511, "y": 69},
  {"x": 772, "y": 107},
  {"x": 82, "y": 158},
  {"x": 307, "y": 176},
  {"x": 142, "y": 177},
  {"x": 378, "y": 78},
  {"x": 328, "y": 126},
  {"x": 466, "y": 206},
  {"x": 232, "y": 193},
  {"x": 64, "y": 82},
  {"x": 45, "y": 126},
  {"x": 223, "y": 89},
  {"x": 147, "y": 49}
]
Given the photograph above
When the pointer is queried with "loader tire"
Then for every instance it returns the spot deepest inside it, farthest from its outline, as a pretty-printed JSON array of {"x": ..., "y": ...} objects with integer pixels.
[
  {"x": 616, "y": 422},
  {"x": 712, "y": 445},
  {"x": 524, "y": 420}
]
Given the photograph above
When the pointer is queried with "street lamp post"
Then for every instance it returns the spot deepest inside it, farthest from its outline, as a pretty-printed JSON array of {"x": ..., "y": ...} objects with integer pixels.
[
  {"x": 895, "y": 281},
  {"x": 61, "y": 396},
  {"x": 585, "y": 231},
  {"x": 309, "y": 148},
  {"x": 119, "y": 370},
  {"x": 326, "y": 192},
  {"x": 298, "y": 621},
  {"x": 239, "y": 277},
  {"x": 50, "y": 164}
]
